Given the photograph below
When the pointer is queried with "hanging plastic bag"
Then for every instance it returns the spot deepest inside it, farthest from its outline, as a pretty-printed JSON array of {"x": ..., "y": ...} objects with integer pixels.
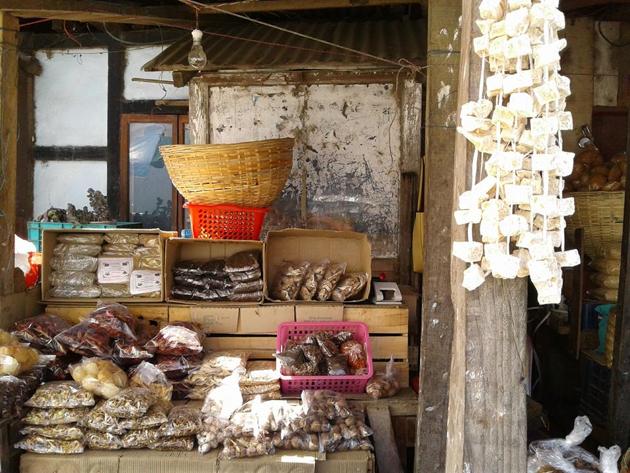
[{"x": 384, "y": 384}]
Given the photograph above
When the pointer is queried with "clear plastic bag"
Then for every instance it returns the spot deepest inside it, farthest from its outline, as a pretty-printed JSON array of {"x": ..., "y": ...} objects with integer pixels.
[
  {"x": 333, "y": 274},
  {"x": 328, "y": 404},
  {"x": 355, "y": 353},
  {"x": 267, "y": 396},
  {"x": 182, "y": 421},
  {"x": 63, "y": 249},
  {"x": 255, "y": 286},
  {"x": 312, "y": 280},
  {"x": 7, "y": 339},
  {"x": 149, "y": 240},
  {"x": 81, "y": 238},
  {"x": 327, "y": 343},
  {"x": 177, "y": 340},
  {"x": 213, "y": 268},
  {"x": 607, "y": 266},
  {"x": 296, "y": 441},
  {"x": 115, "y": 290},
  {"x": 40, "y": 331},
  {"x": 58, "y": 432},
  {"x": 222, "y": 401},
  {"x": 115, "y": 320},
  {"x": 101, "y": 377},
  {"x": 54, "y": 416},
  {"x": 247, "y": 297},
  {"x": 147, "y": 258},
  {"x": 96, "y": 440},
  {"x": 177, "y": 444},
  {"x": 129, "y": 403},
  {"x": 140, "y": 438},
  {"x": 132, "y": 353},
  {"x": 176, "y": 368},
  {"x": 17, "y": 359},
  {"x": 85, "y": 340},
  {"x": 9, "y": 388},
  {"x": 122, "y": 238},
  {"x": 156, "y": 416},
  {"x": 98, "y": 419},
  {"x": 337, "y": 366},
  {"x": 57, "y": 394},
  {"x": 288, "y": 280},
  {"x": 212, "y": 435},
  {"x": 74, "y": 263},
  {"x": 147, "y": 375},
  {"x": 72, "y": 279},
  {"x": 246, "y": 276},
  {"x": 259, "y": 372},
  {"x": 349, "y": 287},
  {"x": 384, "y": 384},
  {"x": 90, "y": 292},
  {"x": 37, "y": 444},
  {"x": 218, "y": 364},
  {"x": 354, "y": 444},
  {"x": 242, "y": 261},
  {"x": 241, "y": 447}
]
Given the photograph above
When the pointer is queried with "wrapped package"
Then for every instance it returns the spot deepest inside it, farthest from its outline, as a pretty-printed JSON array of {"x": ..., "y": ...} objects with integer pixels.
[
  {"x": 349, "y": 286},
  {"x": 241, "y": 447},
  {"x": 218, "y": 365},
  {"x": 112, "y": 291},
  {"x": 38, "y": 444},
  {"x": 259, "y": 373},
  {"x": 139, "y": 438},
  {"x": 328, "y": 404},
  {"x": 101, "y": 377},
  {"x": 127, "y": 353},
  {"x": 326, "y": 343},
  {"x": 212, "y": 435},
  {"x": 355, "y": 353},
  {"x": 40, "y": 332},
  {"x": 213, "y": 268},
  {"x": 296, "y": 441},
  {"x": 58, "y": 369},
  {"x": 98, "y": 419},
  {"x": 57, "y": 432},
  {"x": 97, "y": 440},
  {"x": 81, "y": 238},
  {"x": 246, "y": 276},
  {"x": 118, "y": 249},
  {"x": 248, "y": 287},
  {"x": 223, "y": 400},
  {"x": 16, "y": 359},
  {"x": 333, "y": 274},
  {"x": 7, "y": 339},
  {"x": 256, "y": 296},
  {"x": 72, "y": 262},
  {"x": 90, "y": 292},
  {"x": 146, "y": 375},
  {"x": 177, "y": 444},
  {"x": 337, "y": 366},
  {"x": 147, "y": 258},
  {"x": 64, "y": 249},
  {"x": 58, "y": 394},
  {"x": 9, "y": 388},
  {"x": 85, "y": 340},
  {"x": 77, "y": 279},
  {"x": 182, "y": 421},
  {"x": 176, "y": 368},
  {"x": 115, "y": 320},
  {"x": 312, "y": 279},
  {"x": 129, "y": 403},
  {"x": 148, "y": 240},
  {"x": 288, "y": 280},
  {"x": 353, "y": 444},
  {"x": 132, "y": 239},
  {"x": 384, "y": 384},
  {"x": 156, "y": 416},
  {"x": 177, "y": 340},
  {"x": 242, "y": 262},
  {"x": 29, "y": 382},
  {"x": 266, "y": 396},
  {"x": 54, "y": 416}
]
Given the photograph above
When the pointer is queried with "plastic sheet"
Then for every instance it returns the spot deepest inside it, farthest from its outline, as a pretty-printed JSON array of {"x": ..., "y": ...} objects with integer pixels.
[
  {"x": 57, "y": 394},
  {"x": 147, "y": 375},
  {"x": 349, "y": 287},
  {"x": 288, "y": 280},
  {"x": 85, "y": 340},
  {"x": 74, "y": 263},
  {"x": 90, "y": 292},
  {"x": 54, "y": 416},
  {"x": 101, "y": 377},
  {"x": 178, "y": 340},
  {"x": 58, "y": 432},
  {"x": 96, "y": 440},
  {"x": 40, "y": 331},
  {"x": 37, "y": 444},
  {"x": 129, "y": 403}
]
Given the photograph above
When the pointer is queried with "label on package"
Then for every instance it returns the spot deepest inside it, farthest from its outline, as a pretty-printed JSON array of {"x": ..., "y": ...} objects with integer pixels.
[
  {"x": 144, "y": 281},
  {"x": 114, "y": 270}
]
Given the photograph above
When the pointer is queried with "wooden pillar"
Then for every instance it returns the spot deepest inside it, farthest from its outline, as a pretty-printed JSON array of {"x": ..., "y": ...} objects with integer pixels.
[
  {"x": 8, "y": 146},
  {"x": 437, "y": 306},
  {"x": 199, "y": 112}
]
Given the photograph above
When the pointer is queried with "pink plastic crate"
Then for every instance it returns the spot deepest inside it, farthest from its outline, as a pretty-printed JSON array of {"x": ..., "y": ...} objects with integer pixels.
[{"x": 343, "y": 384}]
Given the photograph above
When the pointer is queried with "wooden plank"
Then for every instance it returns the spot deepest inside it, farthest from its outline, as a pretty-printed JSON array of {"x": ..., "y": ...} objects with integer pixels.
[
  {"x": 387, "y": 458},
  {"x": 8, "y": 143},
  {"x": 619, "y": 407},
  {"x": 116, "y": 63},
  {"x": 199, "y": 112},
  {"x": 245, "y": 78},
  {"x": 26, "y": 166},
  {"x": 76, "y": 313},
  {"x": 379, "y": 319},
  {"x": 294, "y": 5}
]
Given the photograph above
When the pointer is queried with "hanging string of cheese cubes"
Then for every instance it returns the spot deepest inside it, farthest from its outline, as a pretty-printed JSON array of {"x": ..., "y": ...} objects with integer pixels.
[{"x": 516, "y": 129}]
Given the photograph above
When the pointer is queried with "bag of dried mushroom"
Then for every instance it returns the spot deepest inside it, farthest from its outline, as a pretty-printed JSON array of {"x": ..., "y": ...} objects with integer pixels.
[
  {"x": 38, "y": 444},
  {"x": 58, "y": 394}
]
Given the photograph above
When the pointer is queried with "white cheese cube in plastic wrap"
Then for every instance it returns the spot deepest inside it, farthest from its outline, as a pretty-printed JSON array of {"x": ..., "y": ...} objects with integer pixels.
[
  {"x": 517, "y": 194},
  {"x": 489, "y": 230},
  {"x": 568, "y": 259},
  {"x": 564, "y": 85},
  {"x": 546, "y": 55},
  {"x": 463, "y": 217},
  {"x": 525, "y": 141},
  {"x": 521, "y": 104},
  {"x": 495, "y": 209},
  {"x": 505, "y": 266},
  {"x": 518, "y": 46},
  {"x": 479, "y": 109},
  {"x": 540, "y": 249},
  {"x": 503, "y": 116},
  {"x": 497, "y": 46},
  {"x": 523, "y": 257},
  {"x": 509, "y": 160},
  {"x": 470, "y": 201},
  {"x": 468, "y": 251},
  {"x": 543, "y": 162},
  {"x": 515, "y": 4},
  {"x": 485, "y": 265},
  {"x": 565, "y": 121},
  {"x": 482, "y": 141},
  {"x": 519, "y": 82},
  {"x": 552, "y": 295},
  {"x": 564, "y": 163},
  {"x": 485, "y": 186},
  {"x": 491, "y": 9},
  {"x": 553, "y": 223},
  {"x": 513, "y": 225},
  {"x": 514, "y": 133},
  {"x": 484, "y": 26},
  {"x": 494, "y": 168},
  {"x": 543, "y": 126},
  {"x": 548, "y": 92},
  {"x": 491, "y": 250},
  {"x": 494, "y": 84},
  {"x": 543, "y": 270},
  {"x": 517, "y": 22},
  {"x": 481, "y": 45},
  {"x": 473, "y": 277},
  {"x": 472, "y": 124},
  {"x": 566, "y": 206},
  {"x": 497, "y": 29},
  {"x": 545, "y": 205}
]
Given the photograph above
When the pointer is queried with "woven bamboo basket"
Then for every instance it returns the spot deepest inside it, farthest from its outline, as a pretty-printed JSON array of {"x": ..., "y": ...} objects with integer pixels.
[
  {"x": 250, "y": 174},
  {"x": 600, "y": 214}
]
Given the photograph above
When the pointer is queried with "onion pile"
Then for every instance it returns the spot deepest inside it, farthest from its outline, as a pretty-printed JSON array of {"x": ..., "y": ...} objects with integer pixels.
[{"x": 592, "y": 173}]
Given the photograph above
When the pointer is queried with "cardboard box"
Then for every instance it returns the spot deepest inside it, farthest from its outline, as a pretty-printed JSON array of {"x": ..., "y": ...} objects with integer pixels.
[
  {"x": 322, "y": 312},
  {"x": 49, "y": 241},
  {"x": 211, "y": 319},
  {"x": 264, "y": 319},
  {"x": 184, "y": 249},
  {"x": 299, "y": 245}
]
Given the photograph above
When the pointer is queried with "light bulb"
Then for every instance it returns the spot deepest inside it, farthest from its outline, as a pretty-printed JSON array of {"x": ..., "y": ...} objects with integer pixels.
[{"x": 197, "y": 56}]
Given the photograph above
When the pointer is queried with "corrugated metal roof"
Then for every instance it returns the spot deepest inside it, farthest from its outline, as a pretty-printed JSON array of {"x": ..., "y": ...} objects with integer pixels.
[{"x": 249, "y": 46}]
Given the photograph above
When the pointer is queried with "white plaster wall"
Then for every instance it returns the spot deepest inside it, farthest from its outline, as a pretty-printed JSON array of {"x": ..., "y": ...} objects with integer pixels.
[
  {"x": 71, "y": 98},
  {"x": 138, "y": 57},
  {"x": 58, "y": 183}
]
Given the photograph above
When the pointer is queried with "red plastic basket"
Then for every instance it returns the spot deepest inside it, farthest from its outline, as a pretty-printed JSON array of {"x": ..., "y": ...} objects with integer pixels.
[
  {"x": 226, "y": 222},
  {"x": 343, "y": 384}
]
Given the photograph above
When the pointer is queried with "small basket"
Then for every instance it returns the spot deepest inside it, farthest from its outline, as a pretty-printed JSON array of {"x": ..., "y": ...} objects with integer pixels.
[
  {"x": 226, "y": 222},
  {"x": 343, "y": 384}
]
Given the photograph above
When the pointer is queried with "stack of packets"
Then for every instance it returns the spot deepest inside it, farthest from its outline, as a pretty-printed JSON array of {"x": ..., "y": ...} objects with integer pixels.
[{"x": 261, "y": 379}]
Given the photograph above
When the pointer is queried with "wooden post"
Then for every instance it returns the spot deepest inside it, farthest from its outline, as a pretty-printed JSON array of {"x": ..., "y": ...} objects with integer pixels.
[
  {"x": 8, "y": 146},
  {"x": 199, "y": 112}
]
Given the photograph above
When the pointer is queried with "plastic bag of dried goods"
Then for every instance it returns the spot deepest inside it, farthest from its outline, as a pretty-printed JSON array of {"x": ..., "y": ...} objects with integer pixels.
[
  {"x": 9, "y": 388},
  {"x": 57, "y": 394},
  {"x": 126, "y": 353},
  {"x": 223, "y": 400},
  {"x": 80, "y": 238},
  {"x": 130, "y": 403},
  {"x": 288, "y": 280},
  {"x": 40, "y": 331},
  {"x": 176, "y": 368},
  {"x": 113, "y": 291},
  {"x": 349, "y": 286},
  {"x": 74, "y": 263},
  {"x": 312, "y": 279},
  {"x": 182, "y": 421},
  {"x": 115, "y": 320},
  {"x": 242, "y": 261},
  {"x": 63, "y": 249},
  {"x": 147, "y": 258},
  {"x": 177, "y": 339},
  {"x": 384, "y": 384},
  {"x": 355, "y": 353},
  {"x": 114, "y": 238},
  {"x": 246, "y": 276},
  {"x": 212, "y": 435},
  {"x": 146, "y": 375},
  {"x": 218, "y": 365},
  {"x": 85, "y": 340},
  {"x": 140, "y": 438},
  {"x": 96, "y": 440},
  {"x": 38, "y": 444},
  {"x": 76, "y": 279},
  {"x": 328, "y": 404},
  {"x": 101, "y": 377},
  {"x": 16, "y": 359},
  {"x": 333, "y": 274},
  {"x": 90, "y": 292},
  {"x": 149, "y": 240},
  {"x": 58, "y": 432},
  {"x": 249, "y": 287},
  {"x": 54, "y": 416},
  {"x": 7, "y": 339},
  {"x": 241, "y": 447},
  {"x": 156, "y": 416},
  {"x": 97, "y": 419},
  {"x": 296, "y": 441},
  {"x": 177, "y": 444},
  {"x": 246, "y": 297}
]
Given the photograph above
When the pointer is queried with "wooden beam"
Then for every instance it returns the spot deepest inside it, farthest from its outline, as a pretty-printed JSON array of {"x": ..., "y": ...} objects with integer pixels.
[
  {"x": 619, "y": 408},
  {"x": 199, "y": 112},
  {"x": 569, "y": 6},
  {"x": 8, "y": 146},
  {"x": 99, "y": 12},
  {"x": 115, "y": 87},
  {"x": 387, "y": 457},
  {"x": 295, "y": 5}
]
